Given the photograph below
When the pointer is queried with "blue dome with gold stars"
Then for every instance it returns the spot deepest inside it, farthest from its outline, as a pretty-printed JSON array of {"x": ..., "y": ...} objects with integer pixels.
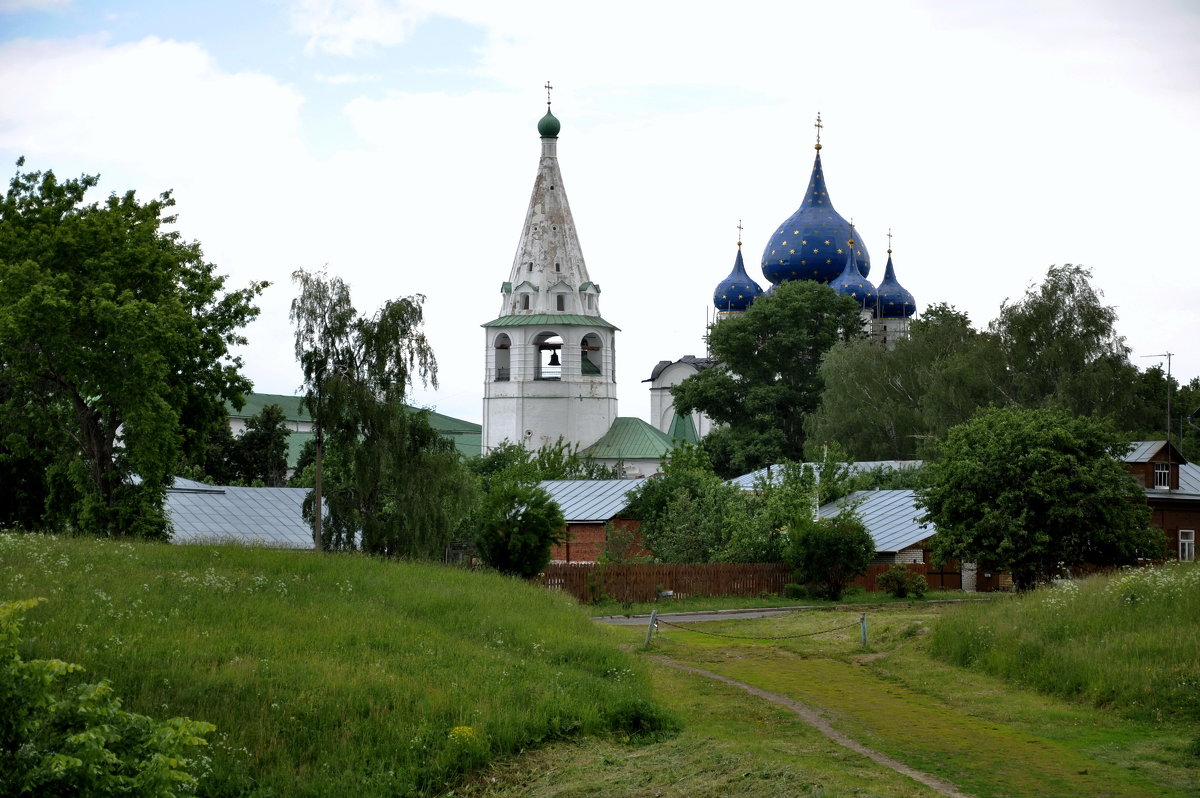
[
  {"x": 813, "y": 242},
  {"x": 895, "y": 301},
  {"x": 851, "y": 283},
  {"x": 735, "y": 293}
]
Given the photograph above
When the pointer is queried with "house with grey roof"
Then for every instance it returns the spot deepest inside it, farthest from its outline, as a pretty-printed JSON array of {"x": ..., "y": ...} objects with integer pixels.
[
  {"x": 589, "y": 505},
  {"x": 1172, "y": 488}
]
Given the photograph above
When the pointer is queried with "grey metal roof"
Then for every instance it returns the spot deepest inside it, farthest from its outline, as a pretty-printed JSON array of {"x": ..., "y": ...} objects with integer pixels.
[
  {"x": 746, "y": 481},
  {"x": 1189, "y": 478},
  {"x": 1142, "y": 451},
  {"x": 590, "y": 500},
  {"x": 202, "y": 513},
  {"x": 889, "y": 515}
]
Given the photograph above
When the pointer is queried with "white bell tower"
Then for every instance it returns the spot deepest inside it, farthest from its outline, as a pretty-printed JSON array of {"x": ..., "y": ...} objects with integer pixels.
[{"x": 550, "y": 358}]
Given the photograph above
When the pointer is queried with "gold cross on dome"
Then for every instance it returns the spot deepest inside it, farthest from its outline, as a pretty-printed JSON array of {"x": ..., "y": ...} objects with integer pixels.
[
  {"x": 818, "y": 126},
  {"x": 739, "y": 233},
  {"x": 548, "y": 87}
]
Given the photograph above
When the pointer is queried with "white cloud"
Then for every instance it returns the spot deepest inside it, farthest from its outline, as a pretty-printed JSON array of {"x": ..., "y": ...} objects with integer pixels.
[
  {"x": 344, "y": 27},
  {"x": 346, "y": 78},
  {"x": 13, "y": 6}
]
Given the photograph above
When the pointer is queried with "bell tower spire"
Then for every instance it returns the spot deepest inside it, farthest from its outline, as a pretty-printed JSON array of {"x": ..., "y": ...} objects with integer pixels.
[{"x": 550, "y": 369}]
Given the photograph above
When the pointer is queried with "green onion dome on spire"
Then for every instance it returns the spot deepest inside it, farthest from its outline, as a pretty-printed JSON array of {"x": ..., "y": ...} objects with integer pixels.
[{"x": 548, "y": 125}]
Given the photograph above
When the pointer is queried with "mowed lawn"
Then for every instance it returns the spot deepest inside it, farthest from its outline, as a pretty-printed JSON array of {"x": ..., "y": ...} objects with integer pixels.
[{"x": 983, "y": 734}]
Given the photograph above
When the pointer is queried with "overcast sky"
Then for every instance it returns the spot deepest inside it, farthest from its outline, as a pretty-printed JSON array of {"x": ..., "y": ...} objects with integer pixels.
[{"x": 396, "y": 144}]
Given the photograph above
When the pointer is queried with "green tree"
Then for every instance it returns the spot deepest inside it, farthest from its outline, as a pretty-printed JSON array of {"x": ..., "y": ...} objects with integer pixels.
[
  {"x": 768, "y": 380},
  {"x": 888, "y": 404},
  {"x": 1033, "y": 490},
  {"x": 114, "y": 345},
  {"x": 830, "y": 552},
  {"x": 260, "y": 453},
  {"x": 559, "y": 460},
  {"x": 1061, "y": 349},
  {"x": 683, "y": 510},
  {"x": 518, "y": 525},
  {"x": 393, "y": 486}
]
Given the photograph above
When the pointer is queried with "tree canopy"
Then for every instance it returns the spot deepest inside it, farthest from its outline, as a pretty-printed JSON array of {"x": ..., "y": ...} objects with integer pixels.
[
  {"x": 887, "y": 404},
  {"x": 1033, "y": 490},
  {"x": 114, "y": 345},
  {"x": 391, "y": 484},
  {"x": 768, "y": 379},
  {"x": 1056, "y": 347}
]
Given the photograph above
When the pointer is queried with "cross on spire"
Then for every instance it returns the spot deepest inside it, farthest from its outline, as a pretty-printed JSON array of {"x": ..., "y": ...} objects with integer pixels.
[
  {"x": 548, "y": 87},
  {"x": 889, "y": 241},
  {"x": 818, "y": 126},
  {"x": 739, "y": 233}
]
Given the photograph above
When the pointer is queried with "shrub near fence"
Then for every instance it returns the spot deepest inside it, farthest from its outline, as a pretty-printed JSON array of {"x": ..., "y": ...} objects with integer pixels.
[{"x": 642, "y": 581}]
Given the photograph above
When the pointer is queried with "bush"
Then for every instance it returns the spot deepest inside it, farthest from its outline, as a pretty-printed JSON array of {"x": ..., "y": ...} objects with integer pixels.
[
  {"x": 830, "y": 552},
  {"x": 518, "y": 525},
  {"x": 901, "y": 582},
  {"x": 77, "y": 740},
  {"x": 795, "y": 591}
]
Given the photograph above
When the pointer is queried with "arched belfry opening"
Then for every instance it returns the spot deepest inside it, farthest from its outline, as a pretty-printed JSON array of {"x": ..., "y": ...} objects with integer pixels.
[
  {"x": 591, "y": 356},
  {"x": 548, "y": 346},
  {"x": 502, "y": 369}
]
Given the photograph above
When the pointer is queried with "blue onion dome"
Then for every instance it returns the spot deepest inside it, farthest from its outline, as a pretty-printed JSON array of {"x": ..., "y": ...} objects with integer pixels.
[
  {"x": 851, "y": 282},
  {"x": 895, "y": 302},
  {"x": 809, "y": 245},
  {"x": 735, "y": 293},
  {"x": 548, "y": 125}
]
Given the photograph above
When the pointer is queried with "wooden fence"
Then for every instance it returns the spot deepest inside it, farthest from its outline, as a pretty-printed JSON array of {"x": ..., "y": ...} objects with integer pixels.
[{"x": 644, "y": 581}]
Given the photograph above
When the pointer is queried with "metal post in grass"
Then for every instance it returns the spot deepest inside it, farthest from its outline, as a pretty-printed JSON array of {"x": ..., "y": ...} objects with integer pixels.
[
  {"x": 862, "y": 619},
  {"x": 650, "y": 626}
]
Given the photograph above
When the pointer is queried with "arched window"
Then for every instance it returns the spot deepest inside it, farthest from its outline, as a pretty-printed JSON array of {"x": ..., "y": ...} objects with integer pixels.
[
  {"x": 591, "y": 356},
  {"x": 548, "y": 346},
  {"x": 503, "y": 347},
  {"x": 560, "y": 301}
]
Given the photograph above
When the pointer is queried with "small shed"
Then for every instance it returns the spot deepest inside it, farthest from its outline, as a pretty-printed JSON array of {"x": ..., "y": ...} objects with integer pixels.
[{"x": 589, "y": 505}]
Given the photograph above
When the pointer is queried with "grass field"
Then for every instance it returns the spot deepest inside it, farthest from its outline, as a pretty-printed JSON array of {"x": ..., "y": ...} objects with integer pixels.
[
  {"x": 980, "y": 732},
  {"x": 341, "y": 675},
  {"x": 327, "y": 675},
  {"x": 1129, "y": 641}
]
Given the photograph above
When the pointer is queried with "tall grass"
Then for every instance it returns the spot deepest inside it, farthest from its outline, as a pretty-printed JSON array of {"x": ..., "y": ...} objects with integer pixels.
[
  {"x": 326, "y": 675},
  {"x": 1129, "y": 640}
]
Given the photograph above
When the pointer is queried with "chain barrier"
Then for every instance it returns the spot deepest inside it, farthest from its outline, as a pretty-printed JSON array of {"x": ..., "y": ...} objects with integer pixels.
[{"x": 758, "y": 637}]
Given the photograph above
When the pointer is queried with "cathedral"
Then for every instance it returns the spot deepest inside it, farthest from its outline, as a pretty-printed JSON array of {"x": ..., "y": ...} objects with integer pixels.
[{"x": 550, "y": 367}]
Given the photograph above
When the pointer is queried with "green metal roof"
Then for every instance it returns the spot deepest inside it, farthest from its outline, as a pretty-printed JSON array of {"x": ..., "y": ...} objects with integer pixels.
[
  {"x": 682, "y": 429},
  {"x": 255, "y": 402},
  {"x": 551, "y": 319},
  {"x": 467, "y": 435},
  {"x": 631, "y": 439}
]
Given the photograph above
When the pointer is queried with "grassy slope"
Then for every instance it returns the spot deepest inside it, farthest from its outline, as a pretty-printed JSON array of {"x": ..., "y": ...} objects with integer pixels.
[
  {"x": 325, "y": 675},
  {"x": 1130, "y": 641}
]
